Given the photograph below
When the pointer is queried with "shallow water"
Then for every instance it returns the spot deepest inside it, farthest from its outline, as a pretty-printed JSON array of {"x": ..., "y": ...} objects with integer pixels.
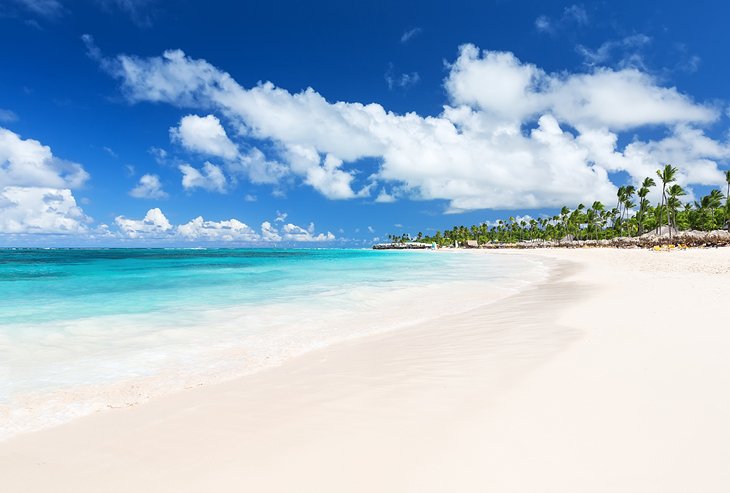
[{"x": 81, "y": 330}]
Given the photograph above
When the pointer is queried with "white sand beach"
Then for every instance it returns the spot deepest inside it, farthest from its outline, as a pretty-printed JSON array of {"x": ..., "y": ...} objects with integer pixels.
[{"x": 612, "y": 376}]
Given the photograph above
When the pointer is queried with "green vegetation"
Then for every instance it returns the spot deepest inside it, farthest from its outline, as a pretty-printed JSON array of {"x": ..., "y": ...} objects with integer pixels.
[{"x": 598, "y": 223}]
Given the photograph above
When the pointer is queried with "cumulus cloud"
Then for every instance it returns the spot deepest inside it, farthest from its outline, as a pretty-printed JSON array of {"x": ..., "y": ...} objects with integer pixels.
[
  {"x": 292, "y": 232},
  {"x": 35, "y": 189},
  {"x": 385, "y": 198},
  {"x": 269, "y": 232},
  {"x": 511, "y": 136},
  {"x": 231, "y": 230},
  {"x": 153, "y": 225},
  {"x": 516, "y": 91},
  {"x": 40, "y": 210},
  {"x": 149, "y": 187},
  {"x": 204, "y": 134},
  {"x": 258, "y": 168},
  {"x": 331, "y": 181},
  {"x": 27, "y": 162},
  {"x": 211, "y": 178}
]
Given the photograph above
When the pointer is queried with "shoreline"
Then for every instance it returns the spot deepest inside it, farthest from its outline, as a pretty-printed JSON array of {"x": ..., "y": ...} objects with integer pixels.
[
  {"x": 552, "y": 386},
  {"x": 281, "y": 342},
  {"x": 681, "y": 239}
]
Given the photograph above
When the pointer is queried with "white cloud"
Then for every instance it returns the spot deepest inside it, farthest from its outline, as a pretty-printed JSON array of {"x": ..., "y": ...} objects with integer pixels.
[
  {"x": 517, "y": 219},
  {"x": 211, "y": 178},
  {"x": 231, "y": 230},
  {"x": 330, "y": 180},
  {"x": 160, "y": 155},
  {"x": 269, "y": 232},
  {"x": 26, "y": 162},
  {"x": 30, "y": 210},
  {"x": 370, "y": 229},
  {"x": 139, "y": 11},
  {"x": 292, "y": 232},
  {"x": 512, "y": 135},
  {"x": 628, "y": 51},
  {"x": 543, "y": 24},
  {"x": 7, "y": 116},
  {"x": 410, "y": 34},
  {"x": 281, "y": 217},
  {"x": 154, "y": 225},
  {"x": 576, "y": 13},
  {"x": 204, "y": 134},
  {"x": 404, "y": 81},
  {"x": 501, "y": 85},
  {"x": 110, "y": 151},
  {"x": 149, "y": 187},
  {"x": 44, "y": 8},
  {"x": 35, "y": 189},
  {"x": 385, "y": 198},
  {"x": 250, "y": 198},
  {"x": 573, "y": 15},
  {"x": 257, "y": 168}
]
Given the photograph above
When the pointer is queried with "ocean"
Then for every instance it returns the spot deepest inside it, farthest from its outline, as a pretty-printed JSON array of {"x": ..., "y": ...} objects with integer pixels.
[{"x": 82, "y": 330}]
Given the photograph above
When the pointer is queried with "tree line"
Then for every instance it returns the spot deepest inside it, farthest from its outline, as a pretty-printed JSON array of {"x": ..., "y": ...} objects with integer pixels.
[{"x": 632, "y": 215}]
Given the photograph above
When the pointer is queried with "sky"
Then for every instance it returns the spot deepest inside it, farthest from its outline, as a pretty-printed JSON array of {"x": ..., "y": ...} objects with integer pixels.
[{"x": 330, "y": 123}]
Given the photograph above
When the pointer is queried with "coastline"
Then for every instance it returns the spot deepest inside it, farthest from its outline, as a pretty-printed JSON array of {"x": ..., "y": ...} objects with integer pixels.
[
  {"x": 607, "y": 377},
  {"x": 221, "y": 343}
]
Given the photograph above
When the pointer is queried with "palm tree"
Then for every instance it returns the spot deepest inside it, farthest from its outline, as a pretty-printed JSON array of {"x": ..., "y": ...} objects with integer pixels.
[
  {"x": 596, "y": 222},
  {"x": 590, "y": 218},
  {"x": 564, "y": 212},
  {"x": 597, "y": 208},
  {"x": 643, "y": 202},
  {"x": 705, "y": 218},
  {"x": 715, "y": 202},
  {"x": 673, "y": 203},
  {"x": 475, "y": 233},
  {"x": 576, "y": 218},
  {"x": 666, "y": 175},
  {"x": 628, "y": 204},
  {"x": 727, "y": 200}
]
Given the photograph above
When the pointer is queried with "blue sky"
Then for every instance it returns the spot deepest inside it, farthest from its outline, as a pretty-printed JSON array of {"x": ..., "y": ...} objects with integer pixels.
[{"x": 337, "y": 123}]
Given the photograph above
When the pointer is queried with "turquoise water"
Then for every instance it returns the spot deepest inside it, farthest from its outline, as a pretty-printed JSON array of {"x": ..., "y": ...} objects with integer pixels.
[
  {"x": 38, "y": 286},
  {"x": 76, "y": 323}
]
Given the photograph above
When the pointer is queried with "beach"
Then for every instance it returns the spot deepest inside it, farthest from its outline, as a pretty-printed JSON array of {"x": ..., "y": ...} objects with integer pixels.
[{"x": 609, "y": 375}]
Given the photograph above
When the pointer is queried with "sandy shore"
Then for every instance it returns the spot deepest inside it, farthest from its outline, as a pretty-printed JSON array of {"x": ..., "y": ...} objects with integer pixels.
[{"x": 611, "y": 376}]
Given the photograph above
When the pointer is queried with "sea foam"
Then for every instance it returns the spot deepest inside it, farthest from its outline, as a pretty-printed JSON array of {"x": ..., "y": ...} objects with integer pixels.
[{"x": 85, "y": 330}]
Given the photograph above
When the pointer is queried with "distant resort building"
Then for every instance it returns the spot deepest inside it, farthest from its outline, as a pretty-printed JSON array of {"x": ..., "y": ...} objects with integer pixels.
[{"x": 411, "y": 245}]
